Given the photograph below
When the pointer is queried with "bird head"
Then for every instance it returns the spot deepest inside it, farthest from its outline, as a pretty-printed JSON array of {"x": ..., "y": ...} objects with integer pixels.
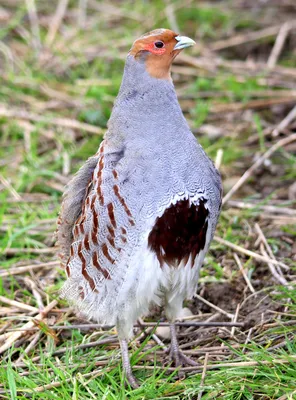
[{"x": 157, "y": 49}]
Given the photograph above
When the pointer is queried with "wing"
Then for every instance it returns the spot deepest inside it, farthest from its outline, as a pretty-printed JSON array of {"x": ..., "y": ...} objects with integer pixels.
[
  {"x": 73, "y": 199},
  {"x": 97, "y": 233}
]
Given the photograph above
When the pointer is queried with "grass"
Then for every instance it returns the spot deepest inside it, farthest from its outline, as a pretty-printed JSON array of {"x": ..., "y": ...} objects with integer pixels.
[{"x": 76, "y": 77}]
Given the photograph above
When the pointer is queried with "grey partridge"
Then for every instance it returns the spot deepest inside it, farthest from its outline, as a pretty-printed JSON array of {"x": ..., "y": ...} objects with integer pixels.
[{"x": 138, "y": 218}]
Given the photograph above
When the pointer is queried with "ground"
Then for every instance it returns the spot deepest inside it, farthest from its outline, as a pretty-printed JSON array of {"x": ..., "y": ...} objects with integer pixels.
[{"x": 61, "y": 64}]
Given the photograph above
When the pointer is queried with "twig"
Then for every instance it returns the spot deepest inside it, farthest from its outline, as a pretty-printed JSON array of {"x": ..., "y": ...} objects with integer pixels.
[
  {"x": 8, "y": 186},
  {"x": 17, "y": 304},
  {"x": 266, "y": 155},
  {"x": 285, "y": 122},
  {"x": 230, "y": 316},
  {"x": 16, "y": 335},
  {"x": 82, "y": 13},
  {"x": 64, "y": 122},
  {"x": 56, "y": 22},
  {"x": 203, "y": 375},
  {"x": 33, "y": 17},
  {"x": 248, "y": 37},
  {"x": 20, "y": 270},
  {"x": 271, "y": 267},
  {"x": 278, "y": 45},
  {"x": 60, "y": 383},
  {"x": 32, "y": 285},
  {"x": 245, "y": 275},
  {"x": 63, "y": 350},
  {"x": 247, "y": 339},
  {"x": 268, "y": 208},
  {"x": 24, "y": 250},
  {"x": 235, "y": 319},
  {"x": 170, "y": 14},
  {"x": 240, "y": 364},
  {"x": 209, "y": 324},
  {"x": 144, "y": 324},
  {"x": 263, "y": 239},
  {"x": 252, "y": 104},
  {"x": 273, "y": 270},
  {"x": 30, "y": 346},
  {"x": 287, "y": 396},
  {"x": 249, "y": 252},
  {"x": 219, "y": 157},
  {"x": 154, "y": 336},
  {"x": 211, "y": 64},
  {"x": 9, "y": 57}
]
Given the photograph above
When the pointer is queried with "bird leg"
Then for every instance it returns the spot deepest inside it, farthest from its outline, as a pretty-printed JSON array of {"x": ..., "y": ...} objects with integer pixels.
[
  {"x": 127, "y": 365},
  {"x": 176, "y": 354}
]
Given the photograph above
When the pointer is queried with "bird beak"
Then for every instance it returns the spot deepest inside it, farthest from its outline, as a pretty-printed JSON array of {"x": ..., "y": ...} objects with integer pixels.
[{"x": 183, "y": 42}]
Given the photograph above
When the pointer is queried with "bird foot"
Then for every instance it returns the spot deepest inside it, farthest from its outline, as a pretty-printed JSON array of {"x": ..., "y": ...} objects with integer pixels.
[
  {"x": 132, "y": 380},
  {"x": 179, "y": 359},
  {"x": 127, "y": 365}
]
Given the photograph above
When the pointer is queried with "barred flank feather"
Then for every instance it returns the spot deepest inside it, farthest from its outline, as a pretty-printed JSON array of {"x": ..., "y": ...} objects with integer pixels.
[{"x": 72, "y": 206}]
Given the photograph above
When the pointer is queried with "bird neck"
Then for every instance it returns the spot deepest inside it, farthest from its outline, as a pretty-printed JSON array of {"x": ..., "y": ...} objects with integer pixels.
[{"x": 142, "y": 101}]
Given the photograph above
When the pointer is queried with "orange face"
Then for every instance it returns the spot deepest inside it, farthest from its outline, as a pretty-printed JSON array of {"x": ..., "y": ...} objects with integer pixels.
[{"x": 159, "y": 47}]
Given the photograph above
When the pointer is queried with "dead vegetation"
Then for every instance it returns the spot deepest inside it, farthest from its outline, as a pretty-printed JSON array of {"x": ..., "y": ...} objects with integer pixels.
[{"x": 61, "y": 65}]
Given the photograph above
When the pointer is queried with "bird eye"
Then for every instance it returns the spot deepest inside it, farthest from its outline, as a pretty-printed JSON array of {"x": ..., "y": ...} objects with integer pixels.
[{"x": 159, "y": 44}]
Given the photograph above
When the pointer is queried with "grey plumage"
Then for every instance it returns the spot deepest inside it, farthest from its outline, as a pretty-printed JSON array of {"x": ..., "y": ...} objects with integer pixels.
[{"x": 148, "y": 160}]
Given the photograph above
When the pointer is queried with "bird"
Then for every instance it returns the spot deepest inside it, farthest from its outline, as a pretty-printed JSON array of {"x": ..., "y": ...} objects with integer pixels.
[{"x": 137, "y": 219}]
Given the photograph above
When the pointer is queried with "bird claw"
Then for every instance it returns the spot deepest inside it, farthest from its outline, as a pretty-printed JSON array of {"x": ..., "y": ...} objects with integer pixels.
[{"x": 180, "y": 360}]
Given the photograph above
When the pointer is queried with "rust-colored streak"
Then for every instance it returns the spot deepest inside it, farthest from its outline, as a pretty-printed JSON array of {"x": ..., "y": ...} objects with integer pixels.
[
  {"x": 100, "y": 150},
  {"x": 123, "y": 230},
  {"x": 106, "y": 253},
  {"x": 94, "y": 238},
  {"x": 100, "y": 195},
  {"x": 79, "y": 250},
  {"x": 110, "y": 209},
  {"x": 122, "y": 201},
  {"x": 95, "y": 219},
  {"x": 92, "y": 204},
  {"x": 71, "y": 251},
  {"x": 76, "y": 231},
  {"x": 78, "y": 219},
  {"x": 94, "y": 233},
  {"x": 101, "y": 163},
  {"x": 83, "y": 268},
  {"x": 96, "y": 264},
  {"x": 115, "y": 174},
  {"x": 111, "y": 231},
  {"x": 123, "y": 239},
  {"x": 111, "y": 241},
  {"x": 86, "y": 243},
  {"x": 82, "y": 228},
  {"x": 68, "y": 271},
  {"x": 179, "y": 232},
  {"x": 131, "y": 221},
  {"x": 99, "y": 176},
  {"x": 81, "y": 292}
]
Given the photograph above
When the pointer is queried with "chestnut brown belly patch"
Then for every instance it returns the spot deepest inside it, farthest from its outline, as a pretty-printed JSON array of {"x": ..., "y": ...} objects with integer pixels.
[{"x": 179, "y": 232}]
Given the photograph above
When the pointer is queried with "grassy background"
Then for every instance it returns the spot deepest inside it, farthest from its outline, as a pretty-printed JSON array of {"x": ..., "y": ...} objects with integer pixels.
[{"x": 61, "y": 64}]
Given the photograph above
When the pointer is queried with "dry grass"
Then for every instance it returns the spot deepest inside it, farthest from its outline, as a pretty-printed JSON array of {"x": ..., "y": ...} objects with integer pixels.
[{"x": 61, "y": 64}]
